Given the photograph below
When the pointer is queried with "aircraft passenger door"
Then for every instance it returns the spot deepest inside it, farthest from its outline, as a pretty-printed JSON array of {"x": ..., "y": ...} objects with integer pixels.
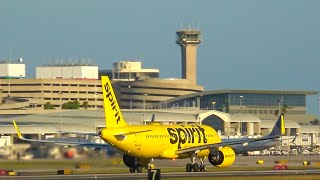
[{"x": 137, "y": 140}]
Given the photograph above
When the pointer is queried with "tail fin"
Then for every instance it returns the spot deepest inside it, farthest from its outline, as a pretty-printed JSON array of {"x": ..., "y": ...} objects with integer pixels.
[
  {"x": 112, "y": 110},
  {"x": 152, "y": 117},
  {"x": 279, "y": 128}
]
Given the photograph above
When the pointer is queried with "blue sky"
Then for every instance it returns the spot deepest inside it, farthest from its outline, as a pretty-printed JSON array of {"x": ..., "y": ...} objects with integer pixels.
[{"x": 272, "y": 45}]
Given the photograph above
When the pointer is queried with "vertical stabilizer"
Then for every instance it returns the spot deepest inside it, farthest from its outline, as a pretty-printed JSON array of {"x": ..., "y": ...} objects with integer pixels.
[
  {"x": 279, "y": 128},
  {"x": 112, "y": 110}
]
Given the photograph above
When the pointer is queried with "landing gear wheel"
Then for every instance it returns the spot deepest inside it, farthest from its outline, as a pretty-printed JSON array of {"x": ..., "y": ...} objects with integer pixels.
[
  {"x": 139, "y": 168},
  {"x": 195, "y": 167},
  {"x": 132, "y": 169},
  {"x": 203, "y": 168},
  {"x": 189, "y": 167}
]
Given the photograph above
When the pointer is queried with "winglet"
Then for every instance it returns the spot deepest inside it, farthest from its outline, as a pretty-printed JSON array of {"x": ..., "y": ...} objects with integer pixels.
[{"x": 17, "y": 129}]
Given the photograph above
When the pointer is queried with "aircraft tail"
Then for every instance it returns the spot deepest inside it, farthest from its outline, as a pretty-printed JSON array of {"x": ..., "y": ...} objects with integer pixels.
[
  {"x": 279, "y": 128},
  {"x": 112, "y": 110}
]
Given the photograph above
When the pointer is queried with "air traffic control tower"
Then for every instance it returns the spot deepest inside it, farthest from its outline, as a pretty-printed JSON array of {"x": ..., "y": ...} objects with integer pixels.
[{"x": 188, "y": 41}]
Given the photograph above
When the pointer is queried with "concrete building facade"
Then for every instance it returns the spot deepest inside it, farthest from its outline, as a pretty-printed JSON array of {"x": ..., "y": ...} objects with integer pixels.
[
  {"x": 129, "y": 71},
  {"x": 12, "y": 70},
  {"x": 131, "y": 94},
  {"x": 67, "y": 71},
  {"x": 56, "y": 91},
  {"x": 244, "y": 101},
  {"x": 142, "y": 93}
]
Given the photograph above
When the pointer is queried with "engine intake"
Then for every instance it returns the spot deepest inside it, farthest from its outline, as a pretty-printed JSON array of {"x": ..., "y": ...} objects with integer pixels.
[
  {"x": 129, "y": 161},
  {"x": 224, "y": 157}
]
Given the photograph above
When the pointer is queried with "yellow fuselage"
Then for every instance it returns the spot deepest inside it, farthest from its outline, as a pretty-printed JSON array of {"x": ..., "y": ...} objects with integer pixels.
[{"x": 160, "y": 141}]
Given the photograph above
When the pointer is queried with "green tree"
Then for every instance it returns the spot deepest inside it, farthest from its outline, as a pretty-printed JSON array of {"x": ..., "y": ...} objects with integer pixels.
[
  {"x": 314, "y": 122},
  {"x": 48, "y": 105},
  {"x": 85, "y": 105},
  {"x": 284, "y": 109},
  {"x": 71, "y": 105}
]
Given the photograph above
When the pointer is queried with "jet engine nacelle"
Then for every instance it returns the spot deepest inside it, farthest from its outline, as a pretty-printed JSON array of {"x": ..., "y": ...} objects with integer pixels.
[
  {"x": 223, "y": 157},
  {"x": 131, "y": 161}
]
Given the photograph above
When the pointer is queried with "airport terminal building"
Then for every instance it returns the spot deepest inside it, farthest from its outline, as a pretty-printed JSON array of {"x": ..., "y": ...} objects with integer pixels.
[{"x": 243, "y": 101}]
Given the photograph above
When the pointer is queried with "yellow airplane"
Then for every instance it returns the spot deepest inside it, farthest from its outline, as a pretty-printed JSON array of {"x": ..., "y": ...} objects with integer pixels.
[{"x": 140, "y": 144}]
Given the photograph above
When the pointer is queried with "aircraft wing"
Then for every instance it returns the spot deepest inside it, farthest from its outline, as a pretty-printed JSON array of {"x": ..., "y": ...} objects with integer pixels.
[
  {"x": 244, "y": 142},
  {"x": 276, "y": 133},
  {"x": 62, "y": 142},
  {"x": 80, "y": 133}
]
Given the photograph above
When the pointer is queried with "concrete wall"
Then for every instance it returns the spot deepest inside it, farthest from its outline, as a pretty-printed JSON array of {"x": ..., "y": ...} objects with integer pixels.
[
  {"x": 67, "y": 72},
  {"x": 48, "y": 90},
  {"x": 41, "y": 91},
  {"x": 137, "y": 94},
  {"x": 189, "y": 62},
  {"x": 9, "y": 70}
]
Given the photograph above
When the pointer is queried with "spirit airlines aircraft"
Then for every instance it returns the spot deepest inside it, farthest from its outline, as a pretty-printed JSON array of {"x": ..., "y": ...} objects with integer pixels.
[{"x": 140, "y": 144}]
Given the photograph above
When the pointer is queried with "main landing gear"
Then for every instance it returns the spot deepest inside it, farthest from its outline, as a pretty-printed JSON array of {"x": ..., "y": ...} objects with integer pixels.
[
  {"x": 137, "y": 168},
  {"x": 133, "y": 163},
  {"x": 193, "y": 166}
]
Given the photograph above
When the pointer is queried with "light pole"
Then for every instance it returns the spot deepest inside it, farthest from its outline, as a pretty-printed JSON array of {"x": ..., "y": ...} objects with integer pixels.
[
  {"x": 319, "y": 117},
  {"x": 96, "y": 100},
  {"x": 144, "y": 106},
  {"x": 199, "y": 102},
  {"x": 9, "y": 88},
  {"x": 280, "y": 100},
  {"x": 213, "y": 103},
  {"x": 130, "y": 99},
  {"x": 96, "y": 94},
  {"x": 60, "y": 94},
  {"x": 241, "y": 97},
  {"x": 129, "y": 71}
]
